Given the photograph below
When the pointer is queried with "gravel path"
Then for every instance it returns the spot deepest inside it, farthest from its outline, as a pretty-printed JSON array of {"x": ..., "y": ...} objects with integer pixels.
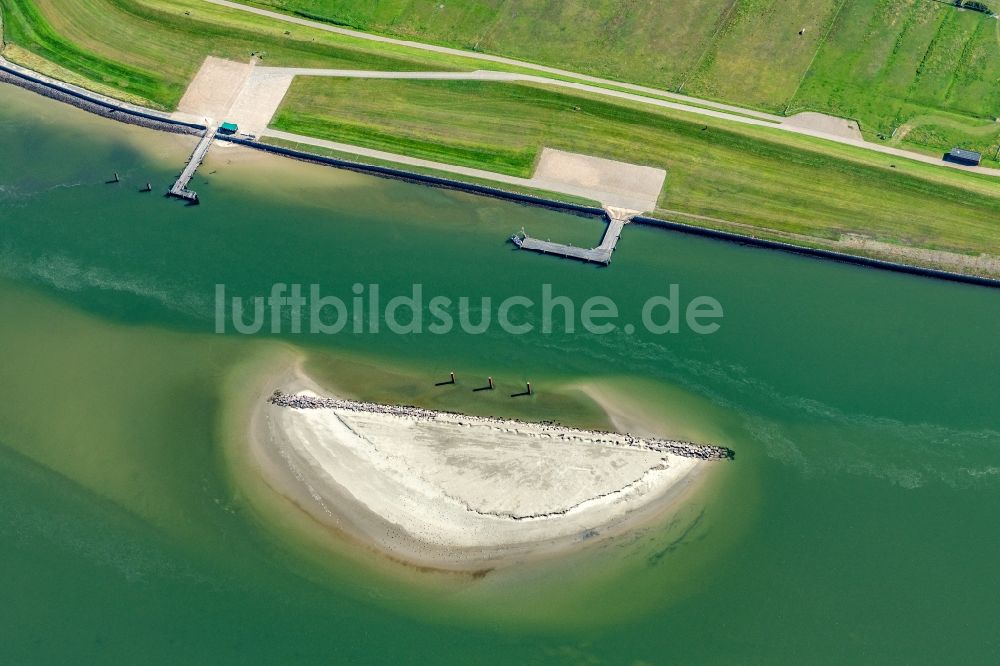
[
  {"x": 645, "y": 95},
  {"x": 491, "y": 58}
]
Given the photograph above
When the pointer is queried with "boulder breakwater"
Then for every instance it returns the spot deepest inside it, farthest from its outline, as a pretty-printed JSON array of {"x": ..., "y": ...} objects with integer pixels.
[
  {"x": 92, "y": 102},
  {"x": 546, "y": 430}
]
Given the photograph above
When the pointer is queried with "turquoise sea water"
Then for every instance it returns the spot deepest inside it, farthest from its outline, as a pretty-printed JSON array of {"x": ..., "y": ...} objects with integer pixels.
[{"x": 857, "y": 522}]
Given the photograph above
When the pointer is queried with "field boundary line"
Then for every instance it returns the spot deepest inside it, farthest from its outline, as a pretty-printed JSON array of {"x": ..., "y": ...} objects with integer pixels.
[
  {"x": 723, "y": 22},
  {"x": 812, "y": 61},
  {"x": 503, "y": 60}
]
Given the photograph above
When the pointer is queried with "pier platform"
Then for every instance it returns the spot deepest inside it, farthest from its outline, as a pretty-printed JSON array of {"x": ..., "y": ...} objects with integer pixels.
[
  {"x": 180, "y": 187},
  {"x": 617, "y": 219}
]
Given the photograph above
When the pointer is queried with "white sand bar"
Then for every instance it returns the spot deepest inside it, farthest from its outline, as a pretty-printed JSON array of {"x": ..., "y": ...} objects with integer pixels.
[{"x": 457, "y": 492}]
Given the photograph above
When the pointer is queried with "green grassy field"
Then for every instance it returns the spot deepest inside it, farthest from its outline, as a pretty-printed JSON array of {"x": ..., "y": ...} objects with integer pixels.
[
  {"x": 721, "y": 174},
  {"x": 759, "y": 57},
  {"x": 651, "y": 42},
  {"x": 881, "y": 62},
  {"x": 351, "y": 157},
  {"x": 889, "y": 64},
  {"x": 150, "y": 49},
  {"x": 726, "y": 171}
]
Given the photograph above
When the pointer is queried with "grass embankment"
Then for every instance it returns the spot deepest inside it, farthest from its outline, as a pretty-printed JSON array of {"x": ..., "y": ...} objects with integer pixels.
[
  {"x": 746, "y": 175},
  {"x": 886, "y": 63},
  {"x": 360, "y": 159},
  {"x": 892, "y": 64},
  {"x": 149, "y": 50},
  {"x": 600, "y": 37},
  {"x": 881, "y": 62}
]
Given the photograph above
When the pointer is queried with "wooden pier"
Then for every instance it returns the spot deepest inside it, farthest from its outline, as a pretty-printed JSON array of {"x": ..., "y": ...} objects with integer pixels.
[
  {"x": 180, "y": 189},
  {"x": 617, "y": 219}
]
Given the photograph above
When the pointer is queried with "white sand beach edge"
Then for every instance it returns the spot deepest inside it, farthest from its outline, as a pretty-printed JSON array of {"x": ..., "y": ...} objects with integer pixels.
[{"x": 459, "y": 493}]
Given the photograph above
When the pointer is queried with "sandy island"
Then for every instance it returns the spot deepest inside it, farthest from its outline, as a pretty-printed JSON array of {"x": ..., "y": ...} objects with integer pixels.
[{"x": 452, "y": 492}]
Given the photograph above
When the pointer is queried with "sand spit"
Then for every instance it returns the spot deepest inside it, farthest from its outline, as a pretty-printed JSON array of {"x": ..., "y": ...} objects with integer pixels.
[
  {"x": 453, "y": 492},
  {"x": 674, "y": 447}
]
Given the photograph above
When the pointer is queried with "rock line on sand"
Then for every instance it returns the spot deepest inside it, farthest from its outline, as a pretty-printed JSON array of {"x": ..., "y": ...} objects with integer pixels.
[{"x": 675, "y": 447}]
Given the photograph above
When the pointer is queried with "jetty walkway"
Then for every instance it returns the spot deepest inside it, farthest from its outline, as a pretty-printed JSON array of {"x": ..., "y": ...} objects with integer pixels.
[
  {"x": 180, "y": 187},
  {"x": 617, "y": 219}
]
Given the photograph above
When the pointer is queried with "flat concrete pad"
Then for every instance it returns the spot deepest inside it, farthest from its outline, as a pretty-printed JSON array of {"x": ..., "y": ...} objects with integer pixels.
[
  {"x": 821, "y": 122},
  {"x": 257, "y": 103},
  {"x": 214, "y": 88},
  {"x": 248, "y": 95},
  {"x": 613, "y": 183}
]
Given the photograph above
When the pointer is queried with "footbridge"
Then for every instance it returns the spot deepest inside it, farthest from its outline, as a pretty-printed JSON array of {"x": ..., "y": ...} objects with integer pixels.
[
  {"x": 180, "y": 187},
  {"x": 617, "y": 219}
]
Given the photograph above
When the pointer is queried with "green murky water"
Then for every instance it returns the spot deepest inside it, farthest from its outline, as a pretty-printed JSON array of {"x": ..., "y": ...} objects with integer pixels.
[{"x": 858, "y": 521}]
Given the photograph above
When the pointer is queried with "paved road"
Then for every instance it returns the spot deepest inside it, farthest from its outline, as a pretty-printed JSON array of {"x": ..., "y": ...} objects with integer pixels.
[{"x": 682, "y": 103}]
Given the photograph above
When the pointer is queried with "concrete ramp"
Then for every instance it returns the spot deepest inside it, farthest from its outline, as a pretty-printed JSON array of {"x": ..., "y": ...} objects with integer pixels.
[
  {"x": 214, "y": 89},
  {"x": 613, "y": 183}
]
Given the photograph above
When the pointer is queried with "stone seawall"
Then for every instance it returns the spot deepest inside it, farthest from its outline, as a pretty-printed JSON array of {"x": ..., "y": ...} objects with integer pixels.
[
  {"x": 104, "y": 106},
  {"x": 422, "y": 179},
  {"x": 94, "y": 103},
  {"x": 818, "y": 253},
  {"x": 667, "y": 446}
]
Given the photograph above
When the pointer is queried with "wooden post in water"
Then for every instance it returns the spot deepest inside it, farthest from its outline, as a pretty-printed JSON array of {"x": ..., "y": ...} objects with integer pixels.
[
  {"x": 116, "y": 177},
  {"x": 451, "y": 380},
  {"x": 529, "y": 388},
  {"x": 491, "y": 383}
]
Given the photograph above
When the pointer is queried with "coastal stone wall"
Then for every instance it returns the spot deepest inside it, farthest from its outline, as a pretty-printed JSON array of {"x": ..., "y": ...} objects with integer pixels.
[
  {"x": 667, "y": 446},
  {"x": 96, "y": 104},
  {"x": 423, "y": 179},
  {"x": 842, "y": 257},
  {"x": 495, "y": 192},
  {"x": 121, "y": 112}
]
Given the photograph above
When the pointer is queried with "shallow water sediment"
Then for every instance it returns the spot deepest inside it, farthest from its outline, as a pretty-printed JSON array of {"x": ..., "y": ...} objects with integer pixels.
[{"x": 861, "y": 404}]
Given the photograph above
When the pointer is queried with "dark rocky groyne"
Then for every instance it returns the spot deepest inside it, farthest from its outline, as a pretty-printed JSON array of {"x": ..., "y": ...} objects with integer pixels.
[
  {"x": 94, "y": 104},
  {"x": 669, "y": 446}
]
